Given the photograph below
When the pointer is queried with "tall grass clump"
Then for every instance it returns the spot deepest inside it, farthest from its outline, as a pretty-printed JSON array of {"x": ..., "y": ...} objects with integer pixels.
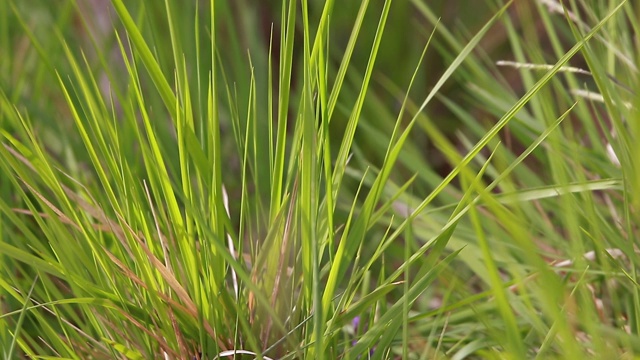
[{"x": 280, "y": 180}]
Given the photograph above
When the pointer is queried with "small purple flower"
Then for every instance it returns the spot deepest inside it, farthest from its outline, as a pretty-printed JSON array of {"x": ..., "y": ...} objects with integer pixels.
[{"x": 356, "y": 323}]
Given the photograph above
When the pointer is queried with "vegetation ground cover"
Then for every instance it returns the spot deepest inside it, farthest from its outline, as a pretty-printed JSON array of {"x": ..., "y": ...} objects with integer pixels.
[{"x": 311, "y": 179}]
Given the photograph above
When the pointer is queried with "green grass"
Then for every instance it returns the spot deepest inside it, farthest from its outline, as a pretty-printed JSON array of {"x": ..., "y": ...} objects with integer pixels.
[{"x": 298, "y": 179}]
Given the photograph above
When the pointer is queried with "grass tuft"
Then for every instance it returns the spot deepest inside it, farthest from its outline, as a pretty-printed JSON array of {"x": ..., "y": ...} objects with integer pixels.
[{"x": 299, "y": 179}]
